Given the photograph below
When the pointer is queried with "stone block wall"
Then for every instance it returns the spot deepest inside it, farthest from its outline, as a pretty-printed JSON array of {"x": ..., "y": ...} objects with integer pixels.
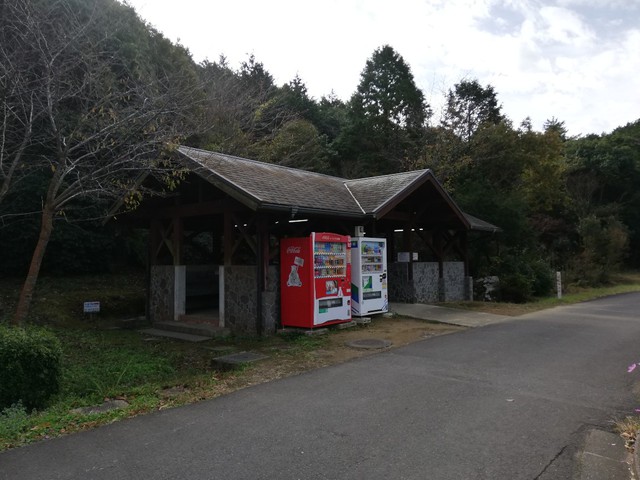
[
  {"x": 400, "y": 289},
  {"x": 454, "y": 281},
  {"x": 240, "y": 307},
  {"x": 426, "y": 286},
  {"x": 271, "y": 300},
  {"x": 166, "y": 292}
]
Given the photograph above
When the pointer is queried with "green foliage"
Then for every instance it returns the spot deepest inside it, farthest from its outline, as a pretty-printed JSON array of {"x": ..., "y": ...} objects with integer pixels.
[
  {"x": 522, "y": 276},
  {"x": 469, "y": 106},
  {"x": 30, "y": 366},
  {"x": 539, "y": 187},
  {"x": 103, "y": 364},
  {"x": 13, "y": 420},
  {"x": 604, "y": 172},
  {"x": 604, "y": 243},
  {"x": 297, "y": 144},
  {"x": 387, "y": 118}
]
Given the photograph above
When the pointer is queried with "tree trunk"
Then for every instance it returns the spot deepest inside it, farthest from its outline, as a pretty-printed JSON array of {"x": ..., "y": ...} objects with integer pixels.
[{"x": 26, "y": 294}]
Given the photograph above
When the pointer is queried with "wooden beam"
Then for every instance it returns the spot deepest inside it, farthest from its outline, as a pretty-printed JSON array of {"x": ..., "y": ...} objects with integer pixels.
[
  {"x": 177, "y": 240},
  {"x": 244, "y": 233},
  {"x": 263, "y": 246},
  {"x": 216, "y": 207},
  {"x": 155, "y": 241},
  {"x": 437, "y": 244},
  {"x": 395, "y": 215},
  {"x": 228, "y": 238}
]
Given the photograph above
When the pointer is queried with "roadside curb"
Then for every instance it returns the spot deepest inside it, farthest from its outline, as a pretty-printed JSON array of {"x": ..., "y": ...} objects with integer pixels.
[
  {"x": 635, "y": 461},
  {"x": 605, "y": 457}
]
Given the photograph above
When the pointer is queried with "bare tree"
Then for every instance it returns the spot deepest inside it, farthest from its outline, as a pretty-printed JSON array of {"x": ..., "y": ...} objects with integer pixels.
[
  {"x": 17, "y": 102},
  {"x": 96, "y": 101}
]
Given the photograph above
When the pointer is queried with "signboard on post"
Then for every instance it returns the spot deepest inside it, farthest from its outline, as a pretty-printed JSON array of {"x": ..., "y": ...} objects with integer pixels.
[{"x": 91, "y": 307}]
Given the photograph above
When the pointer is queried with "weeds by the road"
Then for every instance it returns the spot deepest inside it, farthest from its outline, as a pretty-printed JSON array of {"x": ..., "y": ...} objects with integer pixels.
[
  {"x": 622, "y": 283},
  {"x": 147, "y": 373}
]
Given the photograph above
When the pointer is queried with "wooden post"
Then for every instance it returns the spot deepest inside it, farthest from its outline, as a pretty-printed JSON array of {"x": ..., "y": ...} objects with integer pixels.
[
  {"x": 262, "y": 261},
  {"x": 228, "y": 238},
  {"x": 437, "y": 243},
  {"x": 177, "y": 240}
]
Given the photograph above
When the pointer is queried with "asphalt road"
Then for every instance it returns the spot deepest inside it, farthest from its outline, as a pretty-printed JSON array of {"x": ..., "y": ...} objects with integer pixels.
[{"x": 506, "y": 401}]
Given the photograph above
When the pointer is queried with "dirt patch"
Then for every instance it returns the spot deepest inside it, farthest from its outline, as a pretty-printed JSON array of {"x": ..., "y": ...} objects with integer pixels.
[{"x": 333, "y": 349}]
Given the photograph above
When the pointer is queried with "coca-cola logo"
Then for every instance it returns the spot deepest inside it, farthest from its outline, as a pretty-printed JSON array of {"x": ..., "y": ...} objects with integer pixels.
[{"x": 293, "y": 249}]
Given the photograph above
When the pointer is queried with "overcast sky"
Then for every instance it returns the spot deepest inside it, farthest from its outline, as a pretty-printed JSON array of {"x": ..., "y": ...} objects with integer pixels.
[{"x": 575, "y": 60}]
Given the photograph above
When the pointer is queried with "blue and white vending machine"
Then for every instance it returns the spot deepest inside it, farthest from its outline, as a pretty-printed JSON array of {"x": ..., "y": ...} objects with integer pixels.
[{"x": 369, "y": 293}]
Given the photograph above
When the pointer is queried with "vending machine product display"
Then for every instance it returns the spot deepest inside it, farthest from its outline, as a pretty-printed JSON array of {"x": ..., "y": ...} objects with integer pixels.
[
  {"x": 315, "y": 280},
  {"x": 369, "y": 276}
]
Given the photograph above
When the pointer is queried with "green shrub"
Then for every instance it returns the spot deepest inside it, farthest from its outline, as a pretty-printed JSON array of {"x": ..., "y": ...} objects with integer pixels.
[
  {"x": 13, "y": 420},
  {"x": 523, "y": 276},
  {"x": 604, "y": 243},
  {"x": 30, "y": 366},
  {"x": 542, "y": 278}
]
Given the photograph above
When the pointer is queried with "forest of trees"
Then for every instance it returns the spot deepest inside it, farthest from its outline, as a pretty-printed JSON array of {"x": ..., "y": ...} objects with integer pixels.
[{"x": 91, "y": 97}]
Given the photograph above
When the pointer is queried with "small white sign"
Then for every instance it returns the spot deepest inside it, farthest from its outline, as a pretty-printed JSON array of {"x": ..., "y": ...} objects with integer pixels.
[
  {"x": 91, "y": 307},
  {"x": 405, "y": 256}
]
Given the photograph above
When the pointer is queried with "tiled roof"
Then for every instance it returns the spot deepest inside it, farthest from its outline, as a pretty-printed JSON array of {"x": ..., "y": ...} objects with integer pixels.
[
  {"x": 270, "y": 185},
  {"x": 263, "y": 185},
  {"x": 374, "y": 192}
]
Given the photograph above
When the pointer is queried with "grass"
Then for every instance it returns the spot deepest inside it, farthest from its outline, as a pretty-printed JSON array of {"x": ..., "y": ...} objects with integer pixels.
[
  {"x": 149, "y": 374},
  {"x": 102, "y": 362},
  {"x": 622, "y": 283},
  {"x": 628, "y": 429}
]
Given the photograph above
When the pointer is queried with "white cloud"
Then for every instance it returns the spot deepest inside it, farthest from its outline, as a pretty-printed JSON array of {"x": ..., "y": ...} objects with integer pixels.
[{"x": 545, "y": 58}]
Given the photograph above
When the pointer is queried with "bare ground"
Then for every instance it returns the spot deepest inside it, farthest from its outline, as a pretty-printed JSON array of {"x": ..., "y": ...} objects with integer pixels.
[{"x": 334, "y": 350}]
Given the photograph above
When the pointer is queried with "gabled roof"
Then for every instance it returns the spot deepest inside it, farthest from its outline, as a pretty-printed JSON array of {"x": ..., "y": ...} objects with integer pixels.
[
  {"x": 481, "y": 225},
  {"x": 373, "y": 193},
  {"x": 266, "y": 186}
]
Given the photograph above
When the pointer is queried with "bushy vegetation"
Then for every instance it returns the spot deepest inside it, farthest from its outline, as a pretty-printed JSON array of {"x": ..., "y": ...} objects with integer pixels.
[{"x": 30, "y": 367}]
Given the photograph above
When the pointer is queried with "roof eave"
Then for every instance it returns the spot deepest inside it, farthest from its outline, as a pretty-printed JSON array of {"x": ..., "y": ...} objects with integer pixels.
[
  {"x": 298, "y": 210},
  {"x": 226, "y": 186},
  {"x": 428, "y": 175},
  {"x": 391, "y": 203}
]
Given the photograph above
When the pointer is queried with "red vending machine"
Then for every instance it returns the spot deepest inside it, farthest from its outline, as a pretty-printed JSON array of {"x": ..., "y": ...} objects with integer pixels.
[{"x": 315, "y": 280}]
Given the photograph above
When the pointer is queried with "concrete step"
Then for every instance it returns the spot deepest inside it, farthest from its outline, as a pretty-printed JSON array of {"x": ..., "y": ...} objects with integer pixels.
[
  {"x": 187, "y": 337},
  {"x": 236, "y": 360},
  {"x": 202, "y": 329},
  {"x": 200, "y": 318}
]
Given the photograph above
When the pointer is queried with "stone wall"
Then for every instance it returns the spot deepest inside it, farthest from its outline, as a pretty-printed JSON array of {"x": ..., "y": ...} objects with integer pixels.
[
  {"x": 271, "y": 300},
  {"x": 426, "y": 287},
  {"x": 454, "y": 281},
  {"x": 240, "y": 307},
  {"x": 400, "y": 289},
  {"x": 426, "y": 284},
  {"x": 166, "y": 292}
]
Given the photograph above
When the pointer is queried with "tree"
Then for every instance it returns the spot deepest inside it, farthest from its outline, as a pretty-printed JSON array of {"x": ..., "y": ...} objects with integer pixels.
[
  {"x": 603, "y": 175},
  {"x": 296, "y": 144},
  {"x": 556, "y": 126},
  {"x": 106, "y": 97},
  {"x": 387, "y": 117},
  {"x": 227, "y": 110},
  {"x": 468, "y": 106}
]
